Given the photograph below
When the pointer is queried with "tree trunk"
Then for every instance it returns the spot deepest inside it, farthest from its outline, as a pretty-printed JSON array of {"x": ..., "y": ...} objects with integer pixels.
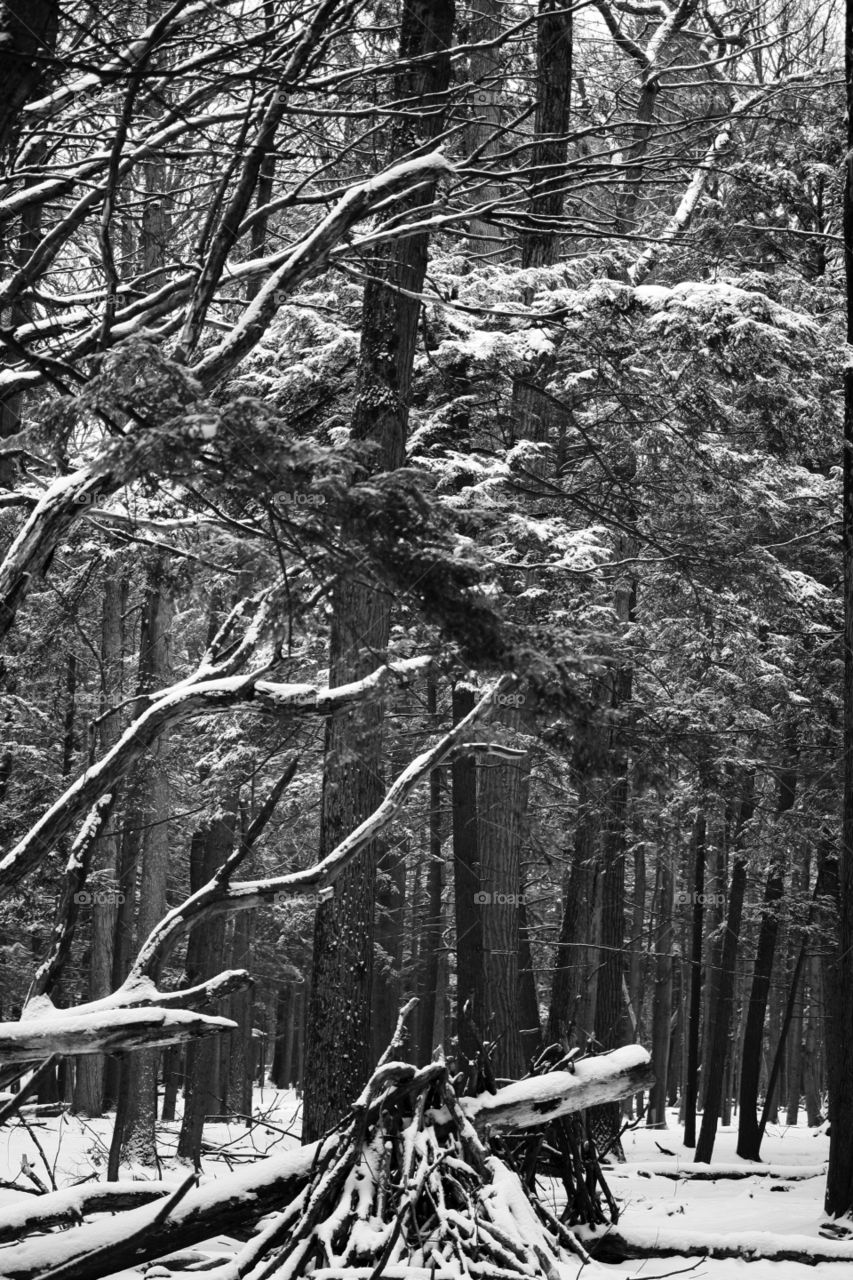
[
  {"x": 341, "y": 988},
  {"x": 530, "y": 1029},
  {"x": 814, "y": 1032},
  {"x": 210, "y": 847},
  {"x": 694, "y": 1017},
  {"x": 470, "y": 967},
  {"x": 89, "y": 1089},
  {"x": 749, "y": 1138},
  {"x": 481, "y": 133},
  {"x": 839, "y": 1181},
  {"x": 540, "y": 245},
  {"x": 29, "y": 28},
  {"x": 662, "y": 1009},
  {"x": 431, "y": 927},
  {"x": 571, "y": 973},
  {"x": 283, "y": 1043},
  {"x": 241, "y": 1009},
  {"x": 135, "y": 1139},
  {"x": 499, "y": 799},
  {"x": 716, "y": 1089}
]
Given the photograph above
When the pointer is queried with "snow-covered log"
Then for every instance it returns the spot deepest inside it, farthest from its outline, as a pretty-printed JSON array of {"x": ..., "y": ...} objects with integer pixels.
[
  {"x": 72, "y": 1204},
  {"x": 728, "y": 1172},
  {"x": 55, "y": 1031},
  {"x": 535, "y": 1101},
  {"x": 237, "y": 1200},
  {"x": 624, "y": 1244}
]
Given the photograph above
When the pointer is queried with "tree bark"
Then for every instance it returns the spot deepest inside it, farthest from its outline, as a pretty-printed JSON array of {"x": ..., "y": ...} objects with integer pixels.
[
  {"x": 210, "y": 847},
  {"x": 571, "y": 961},
  {"x": 839, "y": 1181},
  {"x": 722, "y": 996},
  {"x": 431, "y": 927},
  {"x": 470, "y": 967},
  {"x": 499, "y": 799},
  {"x": 89, "y": 1089},
  {"x": 540, "y": 245},
  {"x": 135, "y": 1138},
  {"x": 662, "y": 1008},
  {"x": 694, "y": 1018},
  {"x": 341, "y": 988},
  {"x": 749, "y": 1136}
]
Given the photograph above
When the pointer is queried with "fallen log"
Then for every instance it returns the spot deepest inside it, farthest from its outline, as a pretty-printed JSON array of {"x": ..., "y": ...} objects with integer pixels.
[
  {"x": 238, "y": 1200},
  {"x": 535, "y": 1101},
  {"x": 72, "y": 1204},
  {"x": 625, "y": 1245},
  {"x": 724, "y": 1172}
]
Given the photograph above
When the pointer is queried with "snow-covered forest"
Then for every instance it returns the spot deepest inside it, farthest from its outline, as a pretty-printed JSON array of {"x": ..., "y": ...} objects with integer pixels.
[{"x": 426, "y": 639}]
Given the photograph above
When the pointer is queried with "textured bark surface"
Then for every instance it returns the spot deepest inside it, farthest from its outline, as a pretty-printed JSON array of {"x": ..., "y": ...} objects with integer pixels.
[
  {"x": 500, "y": 796},
  {"x": 749, "y": 1133},
  {"x": 470, "y": 968},
  {"x": 694, "y": 1017},
  {"x": 339, "y": 1011},
  {"x": 540, "y": 245},
  {"x": 29, "y": 31},
  {"x": 662, "y": 1004},
  {"x": 431, "y": 925},
  {"x": 138, "y": 1085},
  {"x": 89, "y": 1081},
  {"x": 571, "y": 961},
  {"x": 203, "y": 1089},
  {"x": 718, "y": 1055},
  {"x": 839, "y": 1183}
]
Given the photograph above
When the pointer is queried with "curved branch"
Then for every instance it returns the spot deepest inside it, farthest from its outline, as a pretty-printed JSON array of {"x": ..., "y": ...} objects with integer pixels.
[
  {"x": 194, "y": 696},
  {"x": 218, "y": 896}
]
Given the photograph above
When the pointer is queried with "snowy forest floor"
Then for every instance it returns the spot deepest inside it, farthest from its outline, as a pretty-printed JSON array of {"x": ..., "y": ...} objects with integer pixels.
[{"x": 653, "y": 1206}]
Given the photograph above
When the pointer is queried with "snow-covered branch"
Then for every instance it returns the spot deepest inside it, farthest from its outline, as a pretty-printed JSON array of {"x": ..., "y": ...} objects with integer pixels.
[
  {"x": 539, "y": 1099},
  {"x": 312, "y": 254},
  {"x": 220, "y": 896},
  {"x": 45, "y": 1031},
  {"x": 197, "y": 695},
  {"x": 683, "y": 216}
]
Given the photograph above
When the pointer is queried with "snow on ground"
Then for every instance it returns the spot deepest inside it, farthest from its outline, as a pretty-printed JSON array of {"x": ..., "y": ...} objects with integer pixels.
[
  {"x": 743, "y": 1206},
  {"x": 76, "y": 1149}
]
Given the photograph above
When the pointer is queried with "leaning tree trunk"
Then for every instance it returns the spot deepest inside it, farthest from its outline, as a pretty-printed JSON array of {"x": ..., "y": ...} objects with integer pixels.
[
  {"x": 723, "y": 991},
  {"x": 339, "y": 1009},
  {"x": 839, "y": 1182}
]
